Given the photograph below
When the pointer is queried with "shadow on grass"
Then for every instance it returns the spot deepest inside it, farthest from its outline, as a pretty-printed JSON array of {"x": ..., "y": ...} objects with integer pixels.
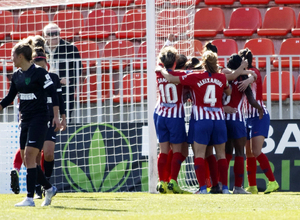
[
  {"x": 88, "y": 209},
  {"x": 97, "y": 198}
]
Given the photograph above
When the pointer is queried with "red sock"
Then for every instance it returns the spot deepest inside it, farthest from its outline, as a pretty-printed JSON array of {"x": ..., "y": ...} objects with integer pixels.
[
  {"x": 17, "y": 164},
  {"x": 207, "y": 174},
  {"x": 199, "y": 165},
  {"x": 169, "y": 163},
  {"x": 223, "y": 168},
  {"x": 176, "y": 164},
  {"x": 182, "y": 158},
  {"x": 213, "y": 168},
  {"x": 251, "y": 170},
  {"x": 161, "y": 166},
  {"x": 238, "y": 171},
  {"x": 265, "y": 166},
  {"x": 228, "y": 158}
]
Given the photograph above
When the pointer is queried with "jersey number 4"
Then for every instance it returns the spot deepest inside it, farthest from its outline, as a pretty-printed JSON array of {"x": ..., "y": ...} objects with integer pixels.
[
  {"x": 168, "y": 93},
  {"x": 210, "y": 95}
]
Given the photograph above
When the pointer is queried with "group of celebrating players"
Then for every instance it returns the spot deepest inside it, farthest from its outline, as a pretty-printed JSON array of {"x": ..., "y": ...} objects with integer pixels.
[{"x": 227, "y": 113}]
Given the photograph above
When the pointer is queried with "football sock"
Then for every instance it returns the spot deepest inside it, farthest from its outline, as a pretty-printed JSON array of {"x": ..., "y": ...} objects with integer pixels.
[
  {"x": 30, "y": 181},
  {"x": 265, "y": 166},
  {"x": 48, "y": 165},
  {"x": 199, "y": 165},
  {"x": 207, "y": 174},
  {"x": 238, "y": 169},
  {"x": 176, "y": 164},
  {"x": 161, "y": 167},
  {"x": 213, "y": 168},
  {"x": 169, "y": 163},
  {"x": 17, "y": 164},
  {"x": 41, "y": 179},
  {"x": 223, "y": 169},
  {"x": 228, "y": 158},
  {"x": 251, "y": 170}
]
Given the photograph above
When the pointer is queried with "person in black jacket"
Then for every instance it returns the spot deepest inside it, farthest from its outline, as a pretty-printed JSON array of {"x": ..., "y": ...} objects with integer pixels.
[
  {"x": 32, "y": 83},
  {"x": 64, "y": 59}
]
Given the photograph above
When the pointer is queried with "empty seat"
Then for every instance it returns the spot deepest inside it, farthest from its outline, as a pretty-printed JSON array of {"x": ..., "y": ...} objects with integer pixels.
[
  {"x": 117, "y": 49},
  {"x": 115, "y": 3},
  {"x": 143, "y": 2},
  {"x": 197, "y": 47},
  {"x": 285, "y": 86},
  {"x": 219, "y": 2},
  {"x": 287, "y": 1},
  {"x": 6, "y": 84},
  {"x": 70, "y": 22},
  {"x": 260, "y": 46},
  {"x": 172, "y": 21},
  {"x": 278, "y": 21},
  {"x": 6, "y": 24},
  {"x": 93, "y": 85},
  {"x": 226, "y": 47},
  {"x": 296, "y": 94},
  {"x": 133, "y": 24},
  {"x": 88, "y": 50},
  {"x": 100, "y": 24},
  {"x": 296, "y": 30},
  {"x": 209, "y": 22},
  {"x": 30, "y": 23},
  {"x": 249, "y": 2},
  {"x": 189, "y": 48},
  {"x": 184, "y": 2},
  {"x": 137, "y": 89},
  {"x": 5, "y": 54},
  {"x": 289, "y": 46},
  {"x": 81, "y": 5},
  {"x": 243, "y": 22}
]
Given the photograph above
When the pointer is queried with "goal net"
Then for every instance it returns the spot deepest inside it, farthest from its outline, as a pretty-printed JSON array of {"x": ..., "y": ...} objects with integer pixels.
[{"x": 105, "y": 147}]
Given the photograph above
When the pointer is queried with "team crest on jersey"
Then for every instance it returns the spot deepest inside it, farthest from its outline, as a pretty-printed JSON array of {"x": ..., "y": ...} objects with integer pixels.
[{"x": 27, "y": 80}]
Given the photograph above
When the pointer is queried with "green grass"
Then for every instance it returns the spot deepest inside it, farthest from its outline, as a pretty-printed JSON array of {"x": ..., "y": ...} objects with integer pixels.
[{"x": 71, "y": 206}]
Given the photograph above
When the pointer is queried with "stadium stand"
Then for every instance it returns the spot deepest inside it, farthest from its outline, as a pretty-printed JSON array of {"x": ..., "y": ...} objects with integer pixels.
[
  {"x": 70, "y": 21},
  {"x": 210, "y": 22},
  {"x": 287, "y": 1},
  {"x": 115, "y": 3},
  {"x": 133, "y": 24},
  {"x": 260, "y": 46},
  {"x": 6, "y": 24},
  {"x": 219, "y": 2},
  {"x": 296, "y": 30},
  {"x": 100, "y": 23},
  {"x": 5, "y": 54},
  {"x": 143, "y": 2},
  {"x": 184, "y": 2},
  {"x": 296, "y": 94},
  {"x": 252, "y": 2},
  {"x": 197, "y": 47},
  {"x": 88, "y": 50},
  {"x": 81, "y": 5},
  {"x": 30, "y": 23},
  {"x": 243, "y": 22},
  {"x": 226, "y": 47},
  {"x": 290, "y": 46},
  {"x": 278, "y": 21},
  {"x": 285, "y": 85},
  {"x": 3, "y": 91}
]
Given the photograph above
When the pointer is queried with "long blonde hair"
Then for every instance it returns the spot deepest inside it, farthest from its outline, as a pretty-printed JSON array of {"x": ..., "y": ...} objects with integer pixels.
[{"x": 210, "y": 62}]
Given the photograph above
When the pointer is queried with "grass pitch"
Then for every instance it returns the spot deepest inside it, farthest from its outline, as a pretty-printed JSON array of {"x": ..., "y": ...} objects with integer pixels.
[{"x": 140, "y": 206}]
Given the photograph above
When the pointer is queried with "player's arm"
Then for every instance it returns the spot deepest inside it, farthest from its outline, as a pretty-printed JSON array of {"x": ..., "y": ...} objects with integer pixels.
[
  {"x": 9, "y": 98},
  {"x": 233, "y": 74},
  {"x": 243, "y": 85},
  {"x": 62, "y": 108},
  {"x": 227, "y": 89},
  {"x": 169, "y": 77},
  {"x": 252, "y": 101}
]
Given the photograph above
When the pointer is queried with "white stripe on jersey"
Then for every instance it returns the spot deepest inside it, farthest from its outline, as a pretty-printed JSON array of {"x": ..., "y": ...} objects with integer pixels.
[{"x": 200, "y": 114}]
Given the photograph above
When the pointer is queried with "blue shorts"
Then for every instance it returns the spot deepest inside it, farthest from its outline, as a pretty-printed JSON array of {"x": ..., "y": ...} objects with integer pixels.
[
  {"x": 170, "y": 129},
  {"x": 236, "y": 129},
  {"x": 258, "y": 127},
  {"x": 210, "y": 132}
]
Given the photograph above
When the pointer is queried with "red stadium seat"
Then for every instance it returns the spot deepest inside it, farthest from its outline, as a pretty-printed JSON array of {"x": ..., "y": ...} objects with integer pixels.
[
  {"x": 243, "y": 22},
  {"x": 133, "y": 90},
  {"x": 296, "y": 94},
  {"x": 287, "y": 1},
  {"x": 100, "y": 24},
  {"x": 133, "y": 24},
  {"x": 197, "y": 47},
  {"x": 3, "y": 92},
  {"x": 6, "y": 24},
  {"x": 210, "y": 22},
  {"x": 254, "y": 2},
  {"x": 82, "y": 5},
  {"x": 296, "y": 31},
  {"x": 88, "y": 50},
  {"x": 30, "y": 23},
  {"x": 115, "y": 3},
  {"x": 189, "y": 48},
  {"x": 289, "y": 46},
  {"x": 5, "y": 54},
  {"x": 226, "y": 47},
  {"x": 70, "y": 22},
  {"x": 143, "y": 2},
  {"x": 219, "y": 2},
  {"x": 260, "y": 46},
  {"x": 278, "y": 21},
  {"x": 117, "y": 49},
  {"x": 184, "y": 2},
  {"x": 94, "y": 85},
  {"x": 172, "y": 21},
  {"x": 285, "y": 85}
]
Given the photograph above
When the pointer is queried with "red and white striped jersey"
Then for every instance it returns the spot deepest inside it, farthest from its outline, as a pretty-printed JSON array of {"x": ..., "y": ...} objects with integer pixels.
[
  {"x": 207, "y": 91},
  {"x": 256, "y": 87},
  {"x": 170, "y": 103},
  {"x": 236, "y": 100}
]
